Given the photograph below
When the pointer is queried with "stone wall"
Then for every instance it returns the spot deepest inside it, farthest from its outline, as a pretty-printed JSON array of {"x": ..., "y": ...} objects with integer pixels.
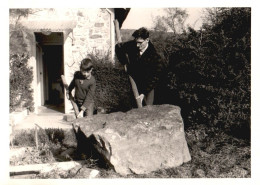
[{"x": 92, "y": 35}]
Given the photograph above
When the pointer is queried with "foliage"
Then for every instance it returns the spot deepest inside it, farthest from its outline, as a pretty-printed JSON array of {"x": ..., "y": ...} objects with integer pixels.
[
  {"x": 17, "y": 44},
  {"x": 20, "y": 82},
  {"x": 20, "y": 74},
  {"x": 55, "y": 135},
  {"x": 126, "y": 34},
  {"x": 173, "y": 20},
  {"x": 45, "y": 136},
  {"x": 19, "y": 36},
  {"x": 24, "y": 138},
  {"x": 210, "y": 73},
  {"x": 159, "y": 25},
  {"x": 113, "y": 90}
]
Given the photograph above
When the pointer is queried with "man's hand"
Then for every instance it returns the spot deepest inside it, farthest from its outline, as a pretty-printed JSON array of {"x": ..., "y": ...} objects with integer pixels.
[
  {"x": 68, "y": 95},
  {"x": 80, "y": 115},
  {"x": 140, "y": 97}
]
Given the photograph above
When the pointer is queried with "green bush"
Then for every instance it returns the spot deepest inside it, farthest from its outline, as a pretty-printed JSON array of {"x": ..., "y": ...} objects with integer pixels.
[
  {"x": 21, "y": 77},
  {"x": 113, "y": 90},
  {"x": 20, "y": 73},
  {"x": 210, "y": 74}
]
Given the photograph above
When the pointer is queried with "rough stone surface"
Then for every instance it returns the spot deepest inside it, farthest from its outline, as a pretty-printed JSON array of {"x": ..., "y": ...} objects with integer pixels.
[{"x": 142, "y": 140}]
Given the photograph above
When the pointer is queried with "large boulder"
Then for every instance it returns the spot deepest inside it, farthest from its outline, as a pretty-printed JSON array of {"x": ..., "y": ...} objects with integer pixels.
[{"x": 142, "y": 140}]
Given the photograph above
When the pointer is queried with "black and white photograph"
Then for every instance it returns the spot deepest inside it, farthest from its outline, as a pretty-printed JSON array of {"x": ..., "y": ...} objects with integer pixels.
[{"x": 127, "y": 93}]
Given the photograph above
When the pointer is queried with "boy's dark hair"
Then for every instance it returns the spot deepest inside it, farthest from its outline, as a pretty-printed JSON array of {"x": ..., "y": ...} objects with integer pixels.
[
  {"x": 141, "y": 32},
  {"x": 86, "y": 64}
]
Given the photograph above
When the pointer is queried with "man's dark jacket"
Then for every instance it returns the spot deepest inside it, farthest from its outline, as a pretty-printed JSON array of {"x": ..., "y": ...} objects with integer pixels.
[{"x": 145, "y": 70}]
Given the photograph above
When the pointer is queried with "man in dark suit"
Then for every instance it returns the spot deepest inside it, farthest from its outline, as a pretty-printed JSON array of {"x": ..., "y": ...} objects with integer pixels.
[{"x": 143, "y": 63}]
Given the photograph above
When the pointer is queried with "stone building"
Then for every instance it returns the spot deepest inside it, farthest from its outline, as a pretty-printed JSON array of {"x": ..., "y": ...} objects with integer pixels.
[{"x": 61, "y": 39}]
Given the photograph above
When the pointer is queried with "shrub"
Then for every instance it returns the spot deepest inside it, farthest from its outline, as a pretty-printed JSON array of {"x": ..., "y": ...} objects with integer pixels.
[
  {"x": 113, "y": 90},
  {"x": 21, "y": 77},
  {"x": 21, "y": 74}
]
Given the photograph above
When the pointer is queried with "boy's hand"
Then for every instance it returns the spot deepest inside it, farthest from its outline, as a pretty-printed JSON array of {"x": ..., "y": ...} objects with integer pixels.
[
  {"x": 140, "y": 97},
  {"x": 80, "y": 115}
]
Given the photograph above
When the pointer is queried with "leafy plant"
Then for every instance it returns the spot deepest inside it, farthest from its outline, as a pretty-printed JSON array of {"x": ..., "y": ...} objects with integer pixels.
[
  {"x": 20, "y": 82},
  {"x": 113, "y": 90},
  {"x": 20, "y": 74}
]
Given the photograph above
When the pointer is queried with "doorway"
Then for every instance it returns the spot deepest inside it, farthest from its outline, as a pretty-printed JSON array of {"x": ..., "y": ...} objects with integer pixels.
[{"x": 50, "y": 68}]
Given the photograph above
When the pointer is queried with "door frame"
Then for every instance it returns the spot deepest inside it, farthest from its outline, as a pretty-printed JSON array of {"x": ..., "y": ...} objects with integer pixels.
[{"x": 40, "y": 79}]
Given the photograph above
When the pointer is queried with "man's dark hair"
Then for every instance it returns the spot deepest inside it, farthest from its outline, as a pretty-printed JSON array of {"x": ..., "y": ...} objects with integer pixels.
[
  {"x": 86, "y": 64},
  {"x": 141, "y": 32}
]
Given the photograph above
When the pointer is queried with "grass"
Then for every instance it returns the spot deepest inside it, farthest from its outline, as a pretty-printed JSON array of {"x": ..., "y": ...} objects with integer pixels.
[{"x": 215, "y": 154}]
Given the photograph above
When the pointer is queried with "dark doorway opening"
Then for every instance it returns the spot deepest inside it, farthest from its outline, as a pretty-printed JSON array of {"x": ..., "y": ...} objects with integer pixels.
[{"x": 53, "y": 69}]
